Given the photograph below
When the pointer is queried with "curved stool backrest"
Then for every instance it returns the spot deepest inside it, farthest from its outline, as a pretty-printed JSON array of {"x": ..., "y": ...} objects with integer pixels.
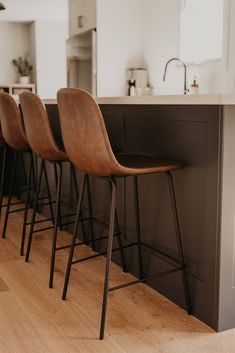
[
  {"x": 11, "y": 123},
  {"x": 38, "y": 128},
  {"x": 84, "y": 133}
]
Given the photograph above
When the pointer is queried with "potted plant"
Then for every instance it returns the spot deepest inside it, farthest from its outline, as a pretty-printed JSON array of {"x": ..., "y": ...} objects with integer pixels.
[{"x": 24, "y": 69}]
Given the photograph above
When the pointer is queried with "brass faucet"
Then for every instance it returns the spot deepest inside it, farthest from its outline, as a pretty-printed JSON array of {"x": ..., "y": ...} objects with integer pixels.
[{"x": 185, "y": 73}]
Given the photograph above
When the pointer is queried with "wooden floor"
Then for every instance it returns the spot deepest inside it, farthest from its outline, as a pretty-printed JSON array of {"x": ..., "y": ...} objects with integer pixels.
[{"x": 34, "y": 319}]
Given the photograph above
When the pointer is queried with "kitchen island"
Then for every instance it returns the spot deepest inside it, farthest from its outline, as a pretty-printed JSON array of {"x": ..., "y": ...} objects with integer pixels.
[{"x": 199, "y": 131}]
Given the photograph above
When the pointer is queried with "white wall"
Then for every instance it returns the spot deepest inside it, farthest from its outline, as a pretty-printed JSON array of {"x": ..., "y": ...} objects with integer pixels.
[
  {"x": 18, "y": 34},
  {"x": 228, "y": 82},
  {"x": 119, "y": 42},
  {"x": 161, "y": 42},
  {"x": 50, "y": 42},
  {"x": 130, "y": 33},
  {"x": 29, "y": 10},
  {"x": 49, "y": 32},
  {"x": 146, "y": 33},
  {"x": 32, "y": 33},
  {"x": 209, "y": 76}
]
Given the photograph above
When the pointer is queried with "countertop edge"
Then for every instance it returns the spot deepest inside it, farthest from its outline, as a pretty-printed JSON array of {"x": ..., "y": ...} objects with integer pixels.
[{"x": 207, "y": 99}]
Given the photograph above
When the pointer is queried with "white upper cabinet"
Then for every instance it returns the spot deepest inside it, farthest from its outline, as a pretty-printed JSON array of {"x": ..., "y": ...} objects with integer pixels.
[
  {"x": 82, "y": 16},
  {"x": 201, "y": 31}
]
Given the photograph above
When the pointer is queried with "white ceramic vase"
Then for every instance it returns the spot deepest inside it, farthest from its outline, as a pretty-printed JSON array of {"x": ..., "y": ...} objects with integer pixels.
[{"x": 24, "y": 80}]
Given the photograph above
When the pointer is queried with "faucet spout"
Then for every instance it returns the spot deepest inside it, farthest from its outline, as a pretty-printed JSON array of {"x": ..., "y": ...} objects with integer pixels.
[{"x": 185, "y": 72}]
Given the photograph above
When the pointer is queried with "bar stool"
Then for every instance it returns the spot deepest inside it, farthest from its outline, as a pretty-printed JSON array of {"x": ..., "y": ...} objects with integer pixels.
[
  {"x": 43, "y": 144},
  {"x": 13, "y": 136},
  {"x": 87, "y": 145}
]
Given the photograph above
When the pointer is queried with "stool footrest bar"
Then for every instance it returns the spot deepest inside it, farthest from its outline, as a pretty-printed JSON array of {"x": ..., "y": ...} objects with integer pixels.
[
  {"x": 23, "y": 201},
  {"x": 18, "y": 210},
  {"x": 45, "y": 203},
  {"x": 71, "y": 222},
  {"x": 161, "y": 254},
  {"x": 23, "y": 209},
  {"x": 41, "y": 229},
  {"x": 101, "y": 238},
  {"x": 14, "y": 203},
  {"x": 104, "y": 224},
  {"x": 89, "y": 241},
  {"x": 40, "y": 221},
  {"x": 67, "y": 246},
  {"x": 145, "y": 279},
  {"x": 84, "y": 243},
  {"x": 101, "y": 253},
  {"x": 68, "y": 215}
]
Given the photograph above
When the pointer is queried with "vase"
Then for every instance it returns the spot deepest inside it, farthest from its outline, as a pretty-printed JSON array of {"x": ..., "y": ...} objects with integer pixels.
[{"x": 24, "y": 80}]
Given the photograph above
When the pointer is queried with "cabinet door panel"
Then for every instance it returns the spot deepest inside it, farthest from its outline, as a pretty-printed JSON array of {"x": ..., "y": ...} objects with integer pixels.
[
  {"x": 89, "y": 14},
  {"x": 82, "y": 16}
]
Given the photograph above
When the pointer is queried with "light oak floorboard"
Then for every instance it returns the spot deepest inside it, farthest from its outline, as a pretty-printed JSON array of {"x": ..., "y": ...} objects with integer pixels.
[
  {"x": 34, "y": 319},
  {"x": 3, "y": 286}
]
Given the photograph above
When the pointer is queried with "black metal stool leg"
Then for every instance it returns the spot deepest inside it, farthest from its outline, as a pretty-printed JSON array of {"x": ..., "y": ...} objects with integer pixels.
[
  {"x": 49, "y": 194},
  {"x": 34, "y": 174},
  {"x": 23, "y": 167},
  {"x": 26, "y": 204},
  {"x": 73, "y": 182},
  {"x": 12, "y": 180},
  {"x": 70, "y": 259},
  {"x": 179, "y": 243},
  {"x": 2, "y": 177},
  {"x": 57, "y": 222},
  {"x": 34, "y": 211},
  {"x": 90, "y": 212},
  {"x": 109, "y": 257},
  {"x": 119, "y": 239},
  {"x": 71, "y": 187},
  {"x": 124, "y": 208},
  {"x": 138, "y": 233}
]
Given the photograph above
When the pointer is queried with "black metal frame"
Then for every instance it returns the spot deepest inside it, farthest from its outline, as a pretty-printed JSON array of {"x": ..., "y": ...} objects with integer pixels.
[
  {"x": 179, "y": 264},
  {"x": 117, "y": 233},
  {"x": 18, "y": 157},
  {"x": 58, "y": 217},
  {"x": 13, "y": 187},
  {"x": 181, "y": 267}
]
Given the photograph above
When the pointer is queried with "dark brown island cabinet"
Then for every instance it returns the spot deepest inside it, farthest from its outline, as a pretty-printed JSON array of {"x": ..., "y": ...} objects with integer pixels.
[{"x": 199, "y": 131}]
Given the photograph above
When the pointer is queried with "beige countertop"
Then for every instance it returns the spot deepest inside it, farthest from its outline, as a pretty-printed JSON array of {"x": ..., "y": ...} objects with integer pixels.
[{"x": 202, "y": 99}]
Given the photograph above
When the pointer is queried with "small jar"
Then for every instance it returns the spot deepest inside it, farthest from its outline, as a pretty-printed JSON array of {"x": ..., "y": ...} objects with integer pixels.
[
  {"x": 148, "y": 91},
  {"x": 194, "y": 89}
]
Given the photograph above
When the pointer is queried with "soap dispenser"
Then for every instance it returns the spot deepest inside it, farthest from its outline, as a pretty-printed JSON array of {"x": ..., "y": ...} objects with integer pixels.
[
  {"x": 148, "y": 90},
  {"x": 194, "y": 89}
]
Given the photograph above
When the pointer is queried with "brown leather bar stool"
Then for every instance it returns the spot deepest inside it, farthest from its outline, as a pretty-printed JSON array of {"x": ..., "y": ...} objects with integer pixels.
[
  {"x": 13, "y": 136},
  {"x": 43, "y": 144},
  {"x": 87, "y": 145}
]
